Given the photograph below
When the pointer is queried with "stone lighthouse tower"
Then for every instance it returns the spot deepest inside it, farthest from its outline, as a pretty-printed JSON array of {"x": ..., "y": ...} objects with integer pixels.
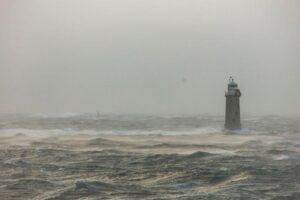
[{"x": 232, "y": 119}]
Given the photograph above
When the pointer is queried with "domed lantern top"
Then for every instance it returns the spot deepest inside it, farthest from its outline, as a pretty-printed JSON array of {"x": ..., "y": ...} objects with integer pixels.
[
  {"x": 233, "y": 88},
  {"x": 232, "y": 84}
]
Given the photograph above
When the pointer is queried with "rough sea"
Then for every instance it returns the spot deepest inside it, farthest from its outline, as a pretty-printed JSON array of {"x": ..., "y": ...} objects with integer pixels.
[{"x": 182, "y": 157}]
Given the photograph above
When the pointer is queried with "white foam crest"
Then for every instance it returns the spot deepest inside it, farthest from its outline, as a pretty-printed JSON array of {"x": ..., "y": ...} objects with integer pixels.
[
  {"x": 281, "y": 157},
  {"x": 62, "y": 115},
  {"x": 54, "y": 132}
]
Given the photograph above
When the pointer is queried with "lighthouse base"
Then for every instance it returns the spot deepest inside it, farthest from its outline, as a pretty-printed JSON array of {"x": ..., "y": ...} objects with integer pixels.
[{"x": 233, "y": 126}]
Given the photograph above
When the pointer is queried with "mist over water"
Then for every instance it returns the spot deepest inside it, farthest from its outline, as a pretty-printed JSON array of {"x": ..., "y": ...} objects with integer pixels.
[{"x": 147, "y": 124}]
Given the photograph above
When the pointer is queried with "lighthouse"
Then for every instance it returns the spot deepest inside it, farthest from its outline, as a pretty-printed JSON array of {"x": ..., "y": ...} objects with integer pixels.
[{"x": 232, "y": 115}]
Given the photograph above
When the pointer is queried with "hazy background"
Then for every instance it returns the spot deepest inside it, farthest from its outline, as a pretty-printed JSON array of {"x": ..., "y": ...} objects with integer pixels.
[{"x": 148, "y": 56}]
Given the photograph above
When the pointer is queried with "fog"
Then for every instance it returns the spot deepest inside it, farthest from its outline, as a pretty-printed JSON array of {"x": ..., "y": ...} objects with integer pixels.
[{"x": 150, "y": 56}]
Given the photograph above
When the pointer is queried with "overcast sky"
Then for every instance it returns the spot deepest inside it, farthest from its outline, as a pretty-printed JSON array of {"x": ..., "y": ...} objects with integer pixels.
[{"x": 148, "y": 56}]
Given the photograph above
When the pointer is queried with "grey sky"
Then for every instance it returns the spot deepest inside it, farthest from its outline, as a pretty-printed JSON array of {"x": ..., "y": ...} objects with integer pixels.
[{"x": 148, "y": 56}]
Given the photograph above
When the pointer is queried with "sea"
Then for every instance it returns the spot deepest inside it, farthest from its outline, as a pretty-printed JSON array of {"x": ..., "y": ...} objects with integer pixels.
[{"x": 109, "y": 156}]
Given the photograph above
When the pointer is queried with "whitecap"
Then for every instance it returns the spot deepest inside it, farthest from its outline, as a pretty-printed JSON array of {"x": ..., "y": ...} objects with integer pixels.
[{"x": 281, "y": 157}]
